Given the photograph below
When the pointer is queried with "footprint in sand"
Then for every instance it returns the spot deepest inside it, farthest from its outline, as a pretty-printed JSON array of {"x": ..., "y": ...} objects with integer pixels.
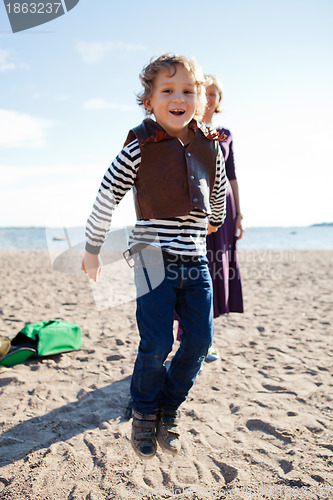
[{"x": 259, "y": 425}]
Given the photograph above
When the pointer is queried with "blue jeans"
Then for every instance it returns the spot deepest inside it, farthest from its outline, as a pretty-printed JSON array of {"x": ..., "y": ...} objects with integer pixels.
[{"x": 186, "y": 289}]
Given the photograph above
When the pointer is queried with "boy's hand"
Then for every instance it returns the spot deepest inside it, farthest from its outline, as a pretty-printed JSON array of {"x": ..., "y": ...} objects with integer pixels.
[
  {"x": 212, "y": 229},
  {"x": 91, "y": 265}
]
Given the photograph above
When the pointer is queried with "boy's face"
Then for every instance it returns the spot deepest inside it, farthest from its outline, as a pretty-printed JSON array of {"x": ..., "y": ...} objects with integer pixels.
[{"x": 173, "y": 101}]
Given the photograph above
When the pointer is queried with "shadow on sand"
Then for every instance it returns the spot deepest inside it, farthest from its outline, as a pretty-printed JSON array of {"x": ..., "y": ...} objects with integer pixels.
[{"x": 90, "y": 411}]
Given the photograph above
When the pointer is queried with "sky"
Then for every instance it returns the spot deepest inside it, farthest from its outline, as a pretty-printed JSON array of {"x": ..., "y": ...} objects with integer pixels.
[{"x": 67, "y": 101}]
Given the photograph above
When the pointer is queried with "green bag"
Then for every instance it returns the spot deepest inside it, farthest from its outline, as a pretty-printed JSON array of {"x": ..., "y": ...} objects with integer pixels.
[{"x": 43, "y": 339}]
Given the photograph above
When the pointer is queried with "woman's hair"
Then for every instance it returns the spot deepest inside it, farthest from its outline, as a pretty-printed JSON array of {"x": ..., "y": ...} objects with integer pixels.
[
  {"x": 170, "y": 62},
  {"x": 213, "y": 80}
]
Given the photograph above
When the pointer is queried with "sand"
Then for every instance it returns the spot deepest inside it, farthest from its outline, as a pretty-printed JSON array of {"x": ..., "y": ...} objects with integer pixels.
[{"x": 257, "y": 423}]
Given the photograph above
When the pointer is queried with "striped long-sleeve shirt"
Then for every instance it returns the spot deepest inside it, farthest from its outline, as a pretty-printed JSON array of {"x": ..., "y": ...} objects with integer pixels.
[{"x": 184, "y": 235}]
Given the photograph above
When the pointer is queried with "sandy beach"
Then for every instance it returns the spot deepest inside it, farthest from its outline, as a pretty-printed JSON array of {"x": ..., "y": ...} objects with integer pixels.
[{"x": 257, "y": 424}]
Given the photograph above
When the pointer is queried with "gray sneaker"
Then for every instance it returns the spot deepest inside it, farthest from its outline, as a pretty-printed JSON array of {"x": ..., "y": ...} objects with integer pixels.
[
  {"x": 143, "y": 438},
  {"x": 168, "y": 435}
]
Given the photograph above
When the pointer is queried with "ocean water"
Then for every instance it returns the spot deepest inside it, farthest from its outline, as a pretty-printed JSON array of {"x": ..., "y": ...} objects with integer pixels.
[
  {"x": 37, "y": 238},
  {"x": 288, "y": 238},
  {"x": 274, "y": 238}
]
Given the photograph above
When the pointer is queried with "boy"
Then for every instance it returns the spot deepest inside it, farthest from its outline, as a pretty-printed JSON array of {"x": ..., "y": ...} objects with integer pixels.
[{"x": 176, "y": 169}]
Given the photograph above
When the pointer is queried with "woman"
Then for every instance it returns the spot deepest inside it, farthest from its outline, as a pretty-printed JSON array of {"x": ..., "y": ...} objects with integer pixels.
[{"x": 221, "y": 246}]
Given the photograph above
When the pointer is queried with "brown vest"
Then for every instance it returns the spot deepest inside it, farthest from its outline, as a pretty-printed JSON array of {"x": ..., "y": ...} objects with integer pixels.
[{"x": 173, "y": 180}]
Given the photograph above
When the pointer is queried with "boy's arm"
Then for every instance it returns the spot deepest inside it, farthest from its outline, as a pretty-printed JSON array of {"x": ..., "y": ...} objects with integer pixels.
[
  {"x": 91, "y": 266},
  {"x": 218, "y": 197},
  {"x": 118, "y": 179}
]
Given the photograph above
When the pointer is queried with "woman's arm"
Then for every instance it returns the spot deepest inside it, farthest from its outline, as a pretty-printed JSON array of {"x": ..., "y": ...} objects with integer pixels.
[
  {"x": 231, "y": 174},
  {"x": 238, "y": 229}
]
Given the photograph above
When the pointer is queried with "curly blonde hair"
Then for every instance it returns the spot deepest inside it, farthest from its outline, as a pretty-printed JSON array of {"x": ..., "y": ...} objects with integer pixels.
[
  {"x": 170, "y": 61},
  {"x": 213, "y": 80}
]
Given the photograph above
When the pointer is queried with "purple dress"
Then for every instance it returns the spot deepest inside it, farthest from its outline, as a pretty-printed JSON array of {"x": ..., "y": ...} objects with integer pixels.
[{"x": 221, "y": 247}]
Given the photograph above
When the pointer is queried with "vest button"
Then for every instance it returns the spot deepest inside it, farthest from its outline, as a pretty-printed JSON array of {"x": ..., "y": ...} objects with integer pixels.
[
  {"x": 188, "y": 154},
  {"x": 195, "y": 200},
  {"x": 192, "y": 177}
]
